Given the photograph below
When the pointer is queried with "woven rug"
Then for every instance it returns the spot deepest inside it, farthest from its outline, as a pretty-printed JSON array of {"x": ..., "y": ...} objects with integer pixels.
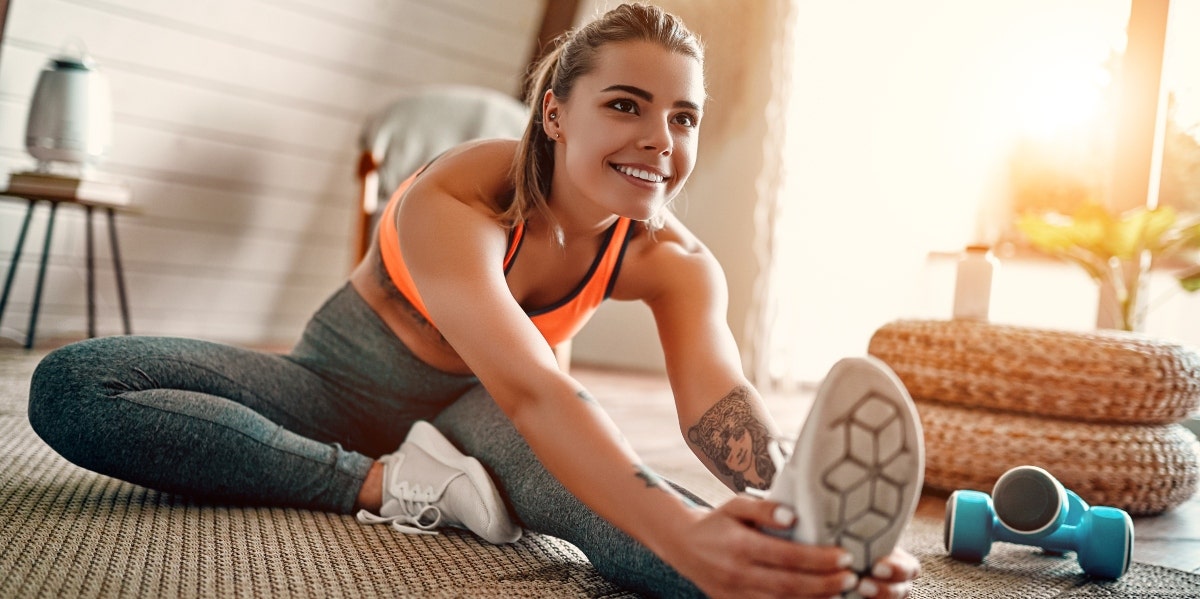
[
  {"x": 67, "y": 532},
  {"x": 1018, "y": 571}
]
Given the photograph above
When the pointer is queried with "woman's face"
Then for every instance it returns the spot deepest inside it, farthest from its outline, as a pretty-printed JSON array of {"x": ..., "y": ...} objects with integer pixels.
[
  {"x": 741, "y": 451},
  {"x": 627, "y": 135}
]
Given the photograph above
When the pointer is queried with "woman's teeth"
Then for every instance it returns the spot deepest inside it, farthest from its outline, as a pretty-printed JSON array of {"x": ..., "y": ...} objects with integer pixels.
[{"x": 641, "y": 174}]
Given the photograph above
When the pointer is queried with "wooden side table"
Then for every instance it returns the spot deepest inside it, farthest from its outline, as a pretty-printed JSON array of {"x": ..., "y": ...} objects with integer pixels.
[{"x": 89, "y": 207}]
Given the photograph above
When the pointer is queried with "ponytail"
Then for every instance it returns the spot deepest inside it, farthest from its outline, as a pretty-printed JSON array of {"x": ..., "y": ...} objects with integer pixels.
[{"x": 533, "y": 166}]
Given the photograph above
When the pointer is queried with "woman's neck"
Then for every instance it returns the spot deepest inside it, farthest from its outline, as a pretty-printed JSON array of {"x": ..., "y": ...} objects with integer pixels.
[{"x": 579, "y": 220}]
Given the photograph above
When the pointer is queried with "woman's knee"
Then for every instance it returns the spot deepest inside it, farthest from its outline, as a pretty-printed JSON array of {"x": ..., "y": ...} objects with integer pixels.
[{"x": 63, "y": 384}]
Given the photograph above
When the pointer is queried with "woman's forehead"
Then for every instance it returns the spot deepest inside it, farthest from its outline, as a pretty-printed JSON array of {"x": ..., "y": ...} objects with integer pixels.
[{"x": 649, "y": 66}]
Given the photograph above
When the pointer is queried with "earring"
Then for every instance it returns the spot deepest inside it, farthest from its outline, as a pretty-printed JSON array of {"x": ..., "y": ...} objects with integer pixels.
[
  {"x": 553, "y": 115},
  {"x": 557, "y": 135}
]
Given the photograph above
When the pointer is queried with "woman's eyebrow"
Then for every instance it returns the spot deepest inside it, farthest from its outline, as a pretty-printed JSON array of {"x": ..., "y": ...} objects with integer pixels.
[
  {"x": 647, "y": 96},
  {"x": 630, "y": 89}
]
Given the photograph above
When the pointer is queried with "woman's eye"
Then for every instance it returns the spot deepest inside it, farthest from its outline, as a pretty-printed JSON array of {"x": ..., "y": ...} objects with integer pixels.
[
  {"x": 624, "y": 106},
  {"x": 687, "y": 120}
]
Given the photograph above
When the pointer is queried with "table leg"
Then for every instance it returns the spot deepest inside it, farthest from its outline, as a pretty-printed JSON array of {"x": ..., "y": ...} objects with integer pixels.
[
  {"x": 91, "y": 274},
  {"x": 37, "y": 292},
  {"x": 16, "y": 257},
  {"x": 116, "y": 256}
]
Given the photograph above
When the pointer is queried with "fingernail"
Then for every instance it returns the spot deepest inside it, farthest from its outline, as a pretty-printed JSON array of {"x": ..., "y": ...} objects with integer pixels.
[
  {"x": 849, "y": 582},
  {"x": 882, "y": 571},
  {"x": 783, "y": 516},
  {"x": 867, "y": 588},
  {"x": 845, "y": 561}
]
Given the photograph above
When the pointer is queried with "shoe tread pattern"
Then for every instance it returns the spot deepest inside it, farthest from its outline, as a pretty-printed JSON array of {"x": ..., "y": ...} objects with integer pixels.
[{"x": 869, "y": 477}]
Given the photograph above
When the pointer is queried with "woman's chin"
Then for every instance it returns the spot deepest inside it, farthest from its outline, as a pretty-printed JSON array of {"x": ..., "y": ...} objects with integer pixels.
[{"x": 644, "y": 212}]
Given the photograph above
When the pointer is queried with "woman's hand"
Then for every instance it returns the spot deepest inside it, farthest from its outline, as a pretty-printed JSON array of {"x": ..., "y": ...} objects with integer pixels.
[
  {"x": 727, "y": 555},
  {"x": 891, "y": 577}
]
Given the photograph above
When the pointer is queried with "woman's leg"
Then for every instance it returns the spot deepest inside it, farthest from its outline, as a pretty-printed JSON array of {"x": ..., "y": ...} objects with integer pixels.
[
  {"x": 196, "y": 418},
  {"x": 477, "y": 425},
  {"x": 212, "y": 420}
]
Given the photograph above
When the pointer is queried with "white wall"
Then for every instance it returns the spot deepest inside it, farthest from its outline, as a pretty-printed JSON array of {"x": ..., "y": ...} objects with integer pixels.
[{"x": 236, "y": 125}]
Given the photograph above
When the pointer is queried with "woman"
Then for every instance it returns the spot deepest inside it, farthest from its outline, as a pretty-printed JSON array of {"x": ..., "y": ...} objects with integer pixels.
[{"x": 475, "y": 274}]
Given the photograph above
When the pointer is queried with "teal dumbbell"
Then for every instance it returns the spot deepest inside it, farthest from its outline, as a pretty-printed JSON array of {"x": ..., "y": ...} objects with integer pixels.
[{"x": 1028, "y": 506}]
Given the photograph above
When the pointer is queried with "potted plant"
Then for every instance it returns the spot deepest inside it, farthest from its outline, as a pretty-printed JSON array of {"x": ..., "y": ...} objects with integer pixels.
[{"x": 1117, "y": 251}]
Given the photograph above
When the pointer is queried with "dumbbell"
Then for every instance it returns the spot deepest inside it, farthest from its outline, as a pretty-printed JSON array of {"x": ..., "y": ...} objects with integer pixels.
[{"x": 1028, "y": 506}]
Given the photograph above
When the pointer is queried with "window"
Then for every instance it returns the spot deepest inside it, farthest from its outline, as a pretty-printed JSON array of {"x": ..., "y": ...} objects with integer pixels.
[
  {"x": 1180, "y": 183},
  {"x": 919, "y": 127}
]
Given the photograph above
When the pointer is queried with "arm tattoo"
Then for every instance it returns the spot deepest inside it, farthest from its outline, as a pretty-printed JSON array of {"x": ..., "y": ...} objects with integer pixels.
[
  {"x": 735, "y": 441},
  {"x": 653, "y": 480}
]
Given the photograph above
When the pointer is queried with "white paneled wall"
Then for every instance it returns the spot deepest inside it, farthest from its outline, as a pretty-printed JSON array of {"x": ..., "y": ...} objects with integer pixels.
[{"x": 235, "y": 124}]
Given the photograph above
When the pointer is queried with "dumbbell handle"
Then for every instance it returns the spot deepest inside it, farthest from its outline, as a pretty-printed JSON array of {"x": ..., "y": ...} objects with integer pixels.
[{"x": 1063, "y": 539}]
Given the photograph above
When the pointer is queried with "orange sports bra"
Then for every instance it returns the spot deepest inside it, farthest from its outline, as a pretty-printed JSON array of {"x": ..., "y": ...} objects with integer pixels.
[{"x": 557, "y": 322}]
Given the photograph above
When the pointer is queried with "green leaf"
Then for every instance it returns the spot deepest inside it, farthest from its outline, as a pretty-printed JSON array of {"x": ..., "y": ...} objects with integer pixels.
[
  {"x": 1190, "y": 280},
  {"x": 1092, "y": 230},
  {"x": 1146, "y": 229},
  {"x": 1047, "y": 233}
]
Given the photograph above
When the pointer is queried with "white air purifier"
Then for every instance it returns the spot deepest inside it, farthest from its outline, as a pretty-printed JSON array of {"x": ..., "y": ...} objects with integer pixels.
[{"x": 70, "y": 117}]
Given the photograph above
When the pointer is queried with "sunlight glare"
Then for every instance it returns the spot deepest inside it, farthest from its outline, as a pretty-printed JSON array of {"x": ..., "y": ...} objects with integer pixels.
[
  {"x": 1062, "y": 86},
  {"x": 1058, "y": 99}
]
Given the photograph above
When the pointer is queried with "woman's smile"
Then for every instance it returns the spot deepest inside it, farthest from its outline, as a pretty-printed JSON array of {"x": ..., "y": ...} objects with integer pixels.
[{"x": 642, "y": 176}]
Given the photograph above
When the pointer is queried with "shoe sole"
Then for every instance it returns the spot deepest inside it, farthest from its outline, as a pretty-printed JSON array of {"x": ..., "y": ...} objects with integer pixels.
[
  {"x": 500, "y": 529},
  {"x": 855, "y": 475}
]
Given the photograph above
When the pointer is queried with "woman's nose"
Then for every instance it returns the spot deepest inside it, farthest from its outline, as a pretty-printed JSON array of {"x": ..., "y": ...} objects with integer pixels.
[{"x": 657, "y": 136}]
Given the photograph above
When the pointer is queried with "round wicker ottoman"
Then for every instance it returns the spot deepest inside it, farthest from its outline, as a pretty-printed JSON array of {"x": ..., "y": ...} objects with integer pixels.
[
  {"x": 1140, "y": 468},
  {"x": 1098, "y": 410}
]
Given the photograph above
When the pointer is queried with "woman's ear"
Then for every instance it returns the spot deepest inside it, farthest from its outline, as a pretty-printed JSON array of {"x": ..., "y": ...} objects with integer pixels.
[{"x": 550, "y": 115}]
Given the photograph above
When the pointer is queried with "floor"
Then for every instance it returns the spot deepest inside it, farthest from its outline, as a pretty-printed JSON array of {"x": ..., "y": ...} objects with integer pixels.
[{"x": 641, "y": 406}]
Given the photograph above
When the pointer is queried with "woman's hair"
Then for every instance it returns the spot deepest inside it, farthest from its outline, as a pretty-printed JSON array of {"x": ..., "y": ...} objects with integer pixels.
[{"x": 573, "y": 55}]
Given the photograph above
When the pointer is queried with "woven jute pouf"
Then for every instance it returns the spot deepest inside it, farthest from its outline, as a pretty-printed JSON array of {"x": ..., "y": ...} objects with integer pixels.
[
  {"x": 1100, "y": 376},
  {"x": 1141, "y": 468}
]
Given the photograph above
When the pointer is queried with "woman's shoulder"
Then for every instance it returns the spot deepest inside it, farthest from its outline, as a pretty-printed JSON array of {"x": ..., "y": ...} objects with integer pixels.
[
  {"x": 474, "y": 160},
  {"x": 671, "y": 242},
  {"x": 672, "y": 249},
  {"x": 476, "y": 173},
  {"x": 483, "y": 151}
]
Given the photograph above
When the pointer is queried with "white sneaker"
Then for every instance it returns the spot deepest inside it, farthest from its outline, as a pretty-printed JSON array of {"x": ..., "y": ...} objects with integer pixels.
[
  {"x": 855, "y": 475},
  {"x": 429, "y": 483}
]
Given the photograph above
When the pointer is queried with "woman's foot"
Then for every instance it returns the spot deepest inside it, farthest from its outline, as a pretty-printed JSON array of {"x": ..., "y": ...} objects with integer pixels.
[
  {"x": 428, "y": 483},
  {"x": 855, "y": 475}
]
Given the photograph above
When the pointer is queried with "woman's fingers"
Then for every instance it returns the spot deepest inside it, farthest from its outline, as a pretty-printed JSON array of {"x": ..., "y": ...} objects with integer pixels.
[
  {"x": 737, "y": 558},
  {"x": 773, "y": 566},
  {"x": 780, "y": 551},
  {"x": 891, "y": 576},
  {"x": 898, "y": 566},
  {"x": 814, "y": 570}
]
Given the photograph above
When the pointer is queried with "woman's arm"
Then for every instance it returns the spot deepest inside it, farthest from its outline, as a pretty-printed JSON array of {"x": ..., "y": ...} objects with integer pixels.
[
  {"x": 452, "y": 249},
  {"x": 721, "y": 415}
]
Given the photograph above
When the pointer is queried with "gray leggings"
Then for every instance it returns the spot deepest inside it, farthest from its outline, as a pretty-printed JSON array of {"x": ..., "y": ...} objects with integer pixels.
[{"x": 238, "y": 426}]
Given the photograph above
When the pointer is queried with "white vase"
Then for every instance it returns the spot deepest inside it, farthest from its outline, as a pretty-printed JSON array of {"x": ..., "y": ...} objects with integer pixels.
[{"x": 1131, "y": 274}]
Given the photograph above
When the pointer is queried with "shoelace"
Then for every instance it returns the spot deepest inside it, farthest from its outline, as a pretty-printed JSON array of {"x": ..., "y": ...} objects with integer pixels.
[{"x": 416, "y": 504}]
